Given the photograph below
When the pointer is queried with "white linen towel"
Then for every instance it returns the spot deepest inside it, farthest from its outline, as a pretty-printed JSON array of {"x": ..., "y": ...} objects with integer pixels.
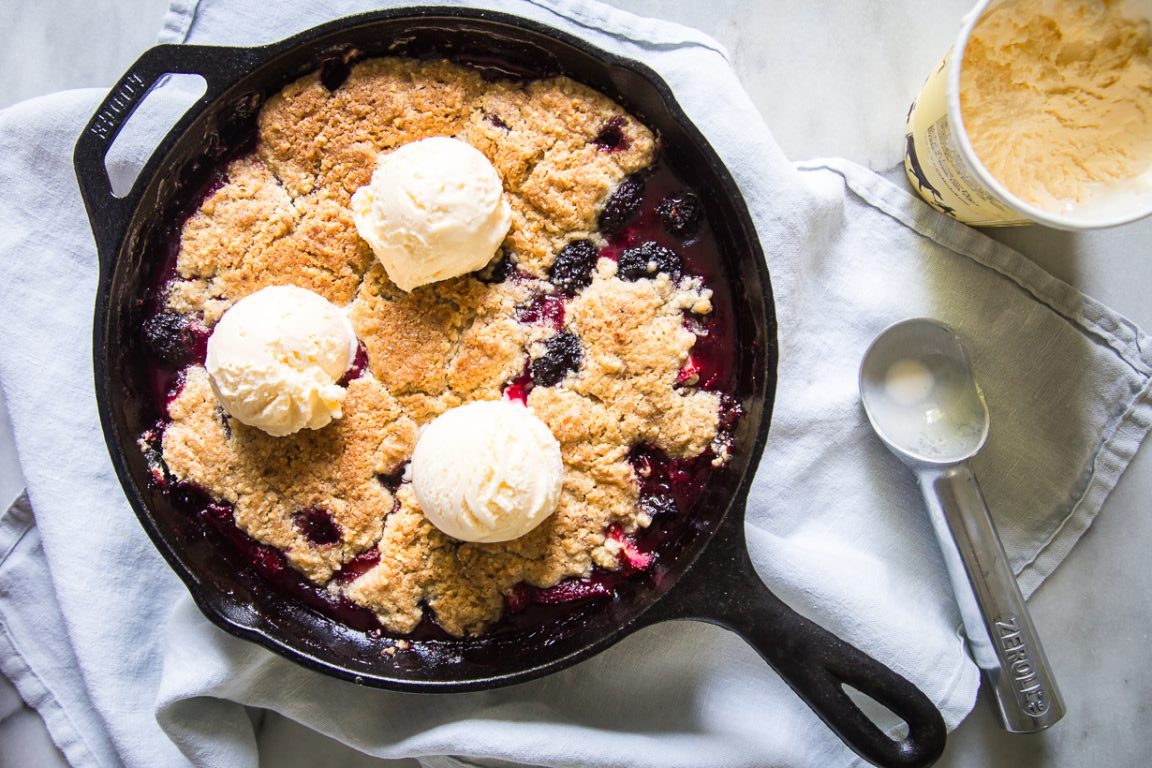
[{"x": 101, "y": 638}]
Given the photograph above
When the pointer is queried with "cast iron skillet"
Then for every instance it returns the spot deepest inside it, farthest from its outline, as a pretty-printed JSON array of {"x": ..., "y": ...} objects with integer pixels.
[{"x": 704, "y": 571}]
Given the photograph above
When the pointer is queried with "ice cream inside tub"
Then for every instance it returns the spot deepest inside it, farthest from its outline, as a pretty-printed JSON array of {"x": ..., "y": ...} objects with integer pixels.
[{"x": 1056, "y": 97}]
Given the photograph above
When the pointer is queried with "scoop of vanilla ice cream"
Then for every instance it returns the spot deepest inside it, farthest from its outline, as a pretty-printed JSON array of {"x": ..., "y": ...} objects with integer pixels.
[
  {"x": 434, "y": 209},
  {"x": 487, "y": 471},
  {"x": 275, "y": 357}
]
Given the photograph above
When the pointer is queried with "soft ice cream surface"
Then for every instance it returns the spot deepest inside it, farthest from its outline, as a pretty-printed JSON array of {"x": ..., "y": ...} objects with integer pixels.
[
  {"x": 1056, "y": 97},
  {"x": 434, "y": 209},
  {"x": 487, "y": 471},
  {"x": 275, "y": 357}
]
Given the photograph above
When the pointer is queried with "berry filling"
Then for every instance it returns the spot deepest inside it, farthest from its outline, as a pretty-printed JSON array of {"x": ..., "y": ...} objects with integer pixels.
[
  {"x": 334, "y": 70},
  {"x": 359, "y": 366},
  {"x": 574, "y": 590},
  {"x": 358, "y": 566},
  {"x": 705, "y": 363},
  {"x": 215, "y": 184},
  {"x": 246, "y": 552},
  {"x": 503, "y": 269},
  {"x": 545, "y": 309},
  {"x": 268, "y": 560},
  {"x": 668, "y": 484},
  {"x": 392, "y": 480},
  {"x": 175, "y": 387},
  {"x": 730, "y": 412},
  {"x": 518, "y": 598},
  {"x": 225, "y": 424},
  {"x": 496, "y": 120},
  {"x": 175, "y": 339},
  {"x": 152, "y": 446},
  {"x": 611, "y": 137},
  {"x": 518, "y": 389},
  {"x": 653, "y": 225},
  {"x": 316, "y": 525},
  {"x": 657, "y": 505},
  {"x": 689, "y": 374},
  {"x": 632, "y": 558}
]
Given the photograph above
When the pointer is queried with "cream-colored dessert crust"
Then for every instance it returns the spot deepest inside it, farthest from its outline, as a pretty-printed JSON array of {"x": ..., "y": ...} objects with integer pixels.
[{"x": 282, "y": 217}]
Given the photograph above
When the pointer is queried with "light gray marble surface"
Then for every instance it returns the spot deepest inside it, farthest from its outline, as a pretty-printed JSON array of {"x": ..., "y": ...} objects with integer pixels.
[{"x": 831, "y": 78}]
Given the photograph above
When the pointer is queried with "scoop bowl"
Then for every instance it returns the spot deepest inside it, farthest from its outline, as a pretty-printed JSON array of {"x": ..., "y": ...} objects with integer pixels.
[{"x": 921, "y": 397}]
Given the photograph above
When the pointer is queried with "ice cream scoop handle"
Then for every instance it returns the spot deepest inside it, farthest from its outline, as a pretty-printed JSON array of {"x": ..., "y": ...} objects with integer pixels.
[{"x": 1000, "y": 632}]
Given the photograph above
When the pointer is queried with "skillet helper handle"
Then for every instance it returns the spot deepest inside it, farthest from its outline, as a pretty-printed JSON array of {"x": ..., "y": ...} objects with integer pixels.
[
  {"x": 1001, "y": 636},
  {"x": 724, "y": 588},
  {"x": 817, "y": 665},
  {"x": 219, "y": 66}
]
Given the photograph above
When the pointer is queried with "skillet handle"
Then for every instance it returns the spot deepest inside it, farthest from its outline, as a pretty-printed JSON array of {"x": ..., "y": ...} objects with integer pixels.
[
  {"x": 814, "y": 662},
  {"x": 220, "y": 67}
]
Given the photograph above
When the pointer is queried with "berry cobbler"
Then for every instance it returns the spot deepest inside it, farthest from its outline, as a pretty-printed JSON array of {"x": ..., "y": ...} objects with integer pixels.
[{"x": 596, "y": 314}]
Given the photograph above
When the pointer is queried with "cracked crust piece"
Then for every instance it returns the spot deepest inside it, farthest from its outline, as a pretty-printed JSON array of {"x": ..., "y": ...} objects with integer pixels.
[
  {"x": 281, "y": 218},
  {"x": 459, "y": 334},
  {"x": 635, "y": 342},
  {"x": 250, "y": 234}
]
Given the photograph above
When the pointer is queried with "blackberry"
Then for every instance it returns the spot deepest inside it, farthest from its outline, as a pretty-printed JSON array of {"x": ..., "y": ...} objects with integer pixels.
[
  {"x": 646, "y": 260},
  {"x": 502, "y": 269},
  {"x": 173, "y": 338},
  {"x": 334, "y": 69},
  {"x": 573, "y": 267},
  {"x": 622, "y": 205},
  {"x": 562, "y": 354},
  {"x": 680, "y": 215}
]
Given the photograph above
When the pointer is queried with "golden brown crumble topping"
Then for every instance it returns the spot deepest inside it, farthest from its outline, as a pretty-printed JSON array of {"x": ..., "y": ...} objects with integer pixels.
[{"x": 282, "y": 218}]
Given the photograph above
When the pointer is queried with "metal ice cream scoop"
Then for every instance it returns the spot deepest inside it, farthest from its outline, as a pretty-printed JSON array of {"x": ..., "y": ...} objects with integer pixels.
[{"x": 918, "y": 390}]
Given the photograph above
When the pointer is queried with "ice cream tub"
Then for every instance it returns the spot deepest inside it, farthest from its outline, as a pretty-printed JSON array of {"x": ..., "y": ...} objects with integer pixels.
[{"x": 942, "y": 161}]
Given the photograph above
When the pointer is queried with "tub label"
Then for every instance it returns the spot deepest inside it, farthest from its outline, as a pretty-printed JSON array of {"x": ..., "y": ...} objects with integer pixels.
[{"x": 936, "y": 168}]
